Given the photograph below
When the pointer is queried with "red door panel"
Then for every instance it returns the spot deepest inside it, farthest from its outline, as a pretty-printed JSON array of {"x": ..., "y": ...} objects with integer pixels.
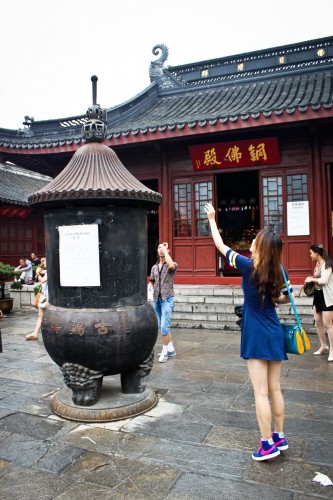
[
  {"x": 183, "y": 255},
  {"x": 193, "y": 248},
  {"x": 205, "y": 259}
]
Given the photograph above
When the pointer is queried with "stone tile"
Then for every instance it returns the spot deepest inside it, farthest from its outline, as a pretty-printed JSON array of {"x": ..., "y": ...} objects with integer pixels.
[
  {"x": 299, "y": 396},
  {"x": 161, "y": 383},
  {"x": 198, "y": 486},
  {"x": 244, "y": 405},
  {"x": 201, "y": 348},
  {"x": 216, "y": 416},
  {"x": 36, "y": 376},
  {"x": 320, "y": 451},
  {"x": 292, "y": 410},
  {"x": 112, "y": 426},
  {"x": 98, "y": 440},
  {"x": 35, "y": 427},
  {"x": 198, "y": 439},
  {"x": 230, "y": 388},
  {"x": 4, "y": 412},
  {"x": 293, "y": 475},
  {"x": 36, "y": 454},
  {"x": 3, "y": 380},
  {"x": 314, "y": 428},
  {"x": 326, "y": 386},
  {"x": 32, "y": 403},
  {"x": 86, "y": 491},
  {"x": 211, "y": 375},
  {"x": 13, "y": 387},
  {"x": 231, "y": 438},
  {"x": 301, "y": 374},
  {"x": 105, "y": 470},
  {"x": 186, "y": 427},
  {"x": 199, "y": 398},
  {"x": 152, "y": 482},
  {"x": 240, "y": 439},
  {"x": 323, "y": 413},
  {"x": 28, "y": 484},
  {"x": 202, "y": 358},
  {"x": 310, "y": 384},
  {"x": 198, "y": 459},
  {"x": 164, "y": 408}
]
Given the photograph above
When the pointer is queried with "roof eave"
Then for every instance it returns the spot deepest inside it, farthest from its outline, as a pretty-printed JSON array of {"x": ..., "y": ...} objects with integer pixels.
[{"x": 198, "y": 127}]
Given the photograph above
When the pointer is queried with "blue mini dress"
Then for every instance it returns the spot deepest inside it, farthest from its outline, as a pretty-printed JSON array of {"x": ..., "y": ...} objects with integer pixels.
[{"x": 262, "y": 336}]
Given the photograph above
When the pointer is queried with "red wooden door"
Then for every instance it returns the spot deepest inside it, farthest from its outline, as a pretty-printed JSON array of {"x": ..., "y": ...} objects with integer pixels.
[
  {"x": 278, "y": 188},
  {"x": 193, "y": 248}
]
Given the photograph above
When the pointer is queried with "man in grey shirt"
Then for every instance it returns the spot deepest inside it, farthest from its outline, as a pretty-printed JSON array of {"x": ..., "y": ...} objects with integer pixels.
[{"x": 162, "y": 277}]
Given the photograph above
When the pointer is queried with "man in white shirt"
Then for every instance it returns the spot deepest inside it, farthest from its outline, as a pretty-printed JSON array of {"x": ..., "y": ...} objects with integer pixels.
[{"x": 26, "y": 270}]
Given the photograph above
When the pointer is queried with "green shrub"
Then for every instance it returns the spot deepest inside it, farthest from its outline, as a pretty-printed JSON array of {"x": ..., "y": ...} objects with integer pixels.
[
  {"x": 7, "y": 273},
  {"x": 16, "y": 285}
]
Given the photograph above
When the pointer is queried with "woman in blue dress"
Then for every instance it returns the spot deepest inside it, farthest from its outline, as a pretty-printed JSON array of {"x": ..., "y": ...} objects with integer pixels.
[{"x": 262, "y": 343}]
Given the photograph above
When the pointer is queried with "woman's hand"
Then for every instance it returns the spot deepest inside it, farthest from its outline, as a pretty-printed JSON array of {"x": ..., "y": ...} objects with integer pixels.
[
  {"x": 310, "y": 279},
  {"x": 210, "y": 211}
]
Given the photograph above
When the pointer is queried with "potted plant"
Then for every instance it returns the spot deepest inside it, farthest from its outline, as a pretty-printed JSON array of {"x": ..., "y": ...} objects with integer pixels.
[{"x": 7, "y": 272}]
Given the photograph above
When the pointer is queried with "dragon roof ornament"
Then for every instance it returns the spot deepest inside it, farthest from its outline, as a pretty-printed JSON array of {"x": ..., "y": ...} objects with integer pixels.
[{"x": 156, "y": 69}]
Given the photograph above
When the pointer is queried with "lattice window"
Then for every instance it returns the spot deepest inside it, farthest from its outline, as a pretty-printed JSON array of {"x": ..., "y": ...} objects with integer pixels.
[
  {"x": 40, "y": 241},
  {"x": 297, "y": 187},
  {"x": 182, "y": 210},
  {"x": 273, "y": 203},
  {"x": 16, "y": 239},
  {"x": 203, "y": 194}
]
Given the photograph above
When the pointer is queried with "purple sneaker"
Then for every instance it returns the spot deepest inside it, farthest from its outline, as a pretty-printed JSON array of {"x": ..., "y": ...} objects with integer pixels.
[
  {"x": 265, "y": 451},
  {"x": 280, "y": 443}
]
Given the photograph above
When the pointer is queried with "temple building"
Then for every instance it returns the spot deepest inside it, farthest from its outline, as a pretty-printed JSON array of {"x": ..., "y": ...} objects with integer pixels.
[
  {"x": 251, "y": 133},
  {"x": 21, "y": 226}
]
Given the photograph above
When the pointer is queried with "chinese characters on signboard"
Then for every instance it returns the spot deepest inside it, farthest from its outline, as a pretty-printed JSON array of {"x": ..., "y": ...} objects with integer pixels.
[
  {"x": 235, "y": 154},
  {"x": 9, "y": 211},
  {"x": 79, "y": 255}
]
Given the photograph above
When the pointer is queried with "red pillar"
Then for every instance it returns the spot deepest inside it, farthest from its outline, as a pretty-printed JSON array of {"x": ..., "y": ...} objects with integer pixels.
[{"x": 319, "y": 216}]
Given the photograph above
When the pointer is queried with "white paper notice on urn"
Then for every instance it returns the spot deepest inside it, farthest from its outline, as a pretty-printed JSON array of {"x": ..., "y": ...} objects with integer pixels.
[{"x": 79, "y": 255}]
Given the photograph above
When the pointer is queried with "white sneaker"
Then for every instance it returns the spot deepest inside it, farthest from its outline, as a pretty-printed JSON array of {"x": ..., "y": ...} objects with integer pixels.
[
  {"x": 170, "y": 354},
  {"x": 163, "y": 358}
]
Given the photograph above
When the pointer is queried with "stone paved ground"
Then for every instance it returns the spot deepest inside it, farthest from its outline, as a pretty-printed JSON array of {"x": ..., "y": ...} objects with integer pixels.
[{"x": 195, "y": 444}]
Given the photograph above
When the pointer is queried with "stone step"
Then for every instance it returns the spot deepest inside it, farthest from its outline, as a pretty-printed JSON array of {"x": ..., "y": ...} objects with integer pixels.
[
  {"x": 213, "y": 307},
  {"x": 308, "y": 326}
]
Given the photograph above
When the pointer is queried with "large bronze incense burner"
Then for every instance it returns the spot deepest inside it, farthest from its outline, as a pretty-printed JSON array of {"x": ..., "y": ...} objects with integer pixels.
[{"x": 99, "y": 322}]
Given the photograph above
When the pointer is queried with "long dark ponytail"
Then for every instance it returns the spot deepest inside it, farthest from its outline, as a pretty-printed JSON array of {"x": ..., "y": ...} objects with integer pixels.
[{"x": 267, "y": 272}]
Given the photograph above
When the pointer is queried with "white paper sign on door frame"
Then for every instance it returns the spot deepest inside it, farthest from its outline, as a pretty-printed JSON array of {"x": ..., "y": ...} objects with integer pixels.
[
  {"x": 79, "y": 255},
  {"x": 298, "y": 222}
]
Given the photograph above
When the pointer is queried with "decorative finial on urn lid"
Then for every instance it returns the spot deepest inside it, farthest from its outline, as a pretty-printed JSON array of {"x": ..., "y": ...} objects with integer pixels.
[{"x": 94, "y": 130}]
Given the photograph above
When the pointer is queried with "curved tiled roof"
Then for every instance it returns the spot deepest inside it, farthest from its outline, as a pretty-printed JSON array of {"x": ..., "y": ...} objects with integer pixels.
[
  {"x": 229, "y": 103},
  {"x": 17, "y": 184},
  {"x": 94, "y": 173},
  {"x": 235, "y": 90}
]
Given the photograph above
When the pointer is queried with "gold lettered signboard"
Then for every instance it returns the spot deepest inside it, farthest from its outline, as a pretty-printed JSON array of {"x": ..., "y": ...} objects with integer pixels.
[
  {"x": 79, "y": 255},
  {"x": 245, "y": 153}
]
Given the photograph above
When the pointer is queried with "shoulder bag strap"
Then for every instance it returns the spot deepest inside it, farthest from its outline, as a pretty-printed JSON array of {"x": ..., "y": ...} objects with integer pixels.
[{"x": 291, "y": 299}]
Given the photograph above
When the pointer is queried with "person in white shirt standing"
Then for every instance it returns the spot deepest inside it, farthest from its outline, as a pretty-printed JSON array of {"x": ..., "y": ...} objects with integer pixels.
[{"x": 323, "y": 298}]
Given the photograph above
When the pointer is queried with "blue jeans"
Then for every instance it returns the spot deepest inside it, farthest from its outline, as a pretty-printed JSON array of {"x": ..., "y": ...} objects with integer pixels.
[{"x": 163, "y": 309}]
